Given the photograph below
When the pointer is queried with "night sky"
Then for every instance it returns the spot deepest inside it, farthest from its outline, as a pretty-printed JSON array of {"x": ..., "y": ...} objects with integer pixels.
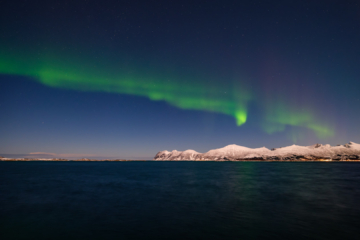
[{"x": 126, "y": 79}]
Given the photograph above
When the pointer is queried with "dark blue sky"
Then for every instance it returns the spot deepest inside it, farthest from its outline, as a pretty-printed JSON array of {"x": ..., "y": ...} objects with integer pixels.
[{"x": 126, "y": 79}]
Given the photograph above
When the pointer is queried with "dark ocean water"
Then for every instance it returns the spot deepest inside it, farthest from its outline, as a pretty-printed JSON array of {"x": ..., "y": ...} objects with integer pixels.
[{"x": 179, "y": 200}]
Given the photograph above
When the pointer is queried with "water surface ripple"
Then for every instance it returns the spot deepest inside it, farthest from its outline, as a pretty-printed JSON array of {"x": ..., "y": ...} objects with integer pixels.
[{"x": 179, "y": 200}]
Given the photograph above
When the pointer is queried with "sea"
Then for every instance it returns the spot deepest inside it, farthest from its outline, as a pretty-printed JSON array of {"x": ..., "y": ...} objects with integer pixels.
[{"x": 179, "y": 200}]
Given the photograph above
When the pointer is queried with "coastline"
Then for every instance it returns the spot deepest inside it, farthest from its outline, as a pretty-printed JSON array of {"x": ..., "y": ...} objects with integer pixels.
[
  {"x": 127, "y": 160},
  {"x": 64, "y": 160}
]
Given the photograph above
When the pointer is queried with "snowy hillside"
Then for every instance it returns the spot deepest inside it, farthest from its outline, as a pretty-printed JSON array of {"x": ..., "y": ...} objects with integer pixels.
[{"x": 294, "y": 152}]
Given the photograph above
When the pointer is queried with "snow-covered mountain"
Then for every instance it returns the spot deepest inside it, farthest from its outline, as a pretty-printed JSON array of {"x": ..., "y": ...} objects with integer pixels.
[
  {"x": 235, "y": 152},
  {"x": 177, "y": 155}
]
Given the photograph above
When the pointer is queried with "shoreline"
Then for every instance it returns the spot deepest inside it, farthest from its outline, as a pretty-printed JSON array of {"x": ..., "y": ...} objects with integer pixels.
[{"x": 125, "y": 160}]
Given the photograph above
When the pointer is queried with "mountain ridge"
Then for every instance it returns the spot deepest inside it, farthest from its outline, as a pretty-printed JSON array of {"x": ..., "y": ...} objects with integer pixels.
[{"x": 233, "y": 152}]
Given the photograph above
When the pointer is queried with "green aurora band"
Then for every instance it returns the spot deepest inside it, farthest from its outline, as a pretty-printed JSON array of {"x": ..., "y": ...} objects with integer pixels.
[
  {"x": 63, "y": 74},
  {"x": 184, "y": 93},
  {"x": 280, "y": 115}
]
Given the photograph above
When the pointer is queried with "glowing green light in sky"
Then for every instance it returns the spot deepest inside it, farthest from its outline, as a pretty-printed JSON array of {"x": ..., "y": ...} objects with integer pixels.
[
  {"x": 177, "y": 92},
  {"x": 240, "y": 117},
  {"x": 185, "y": 92},
  {"x": 279, "y": 115}
]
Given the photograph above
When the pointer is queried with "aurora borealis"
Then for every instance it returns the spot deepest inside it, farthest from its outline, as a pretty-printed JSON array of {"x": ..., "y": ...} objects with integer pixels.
[
  {"x": 176, "y": 92},
  {"x": 254, "y": 74}
]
